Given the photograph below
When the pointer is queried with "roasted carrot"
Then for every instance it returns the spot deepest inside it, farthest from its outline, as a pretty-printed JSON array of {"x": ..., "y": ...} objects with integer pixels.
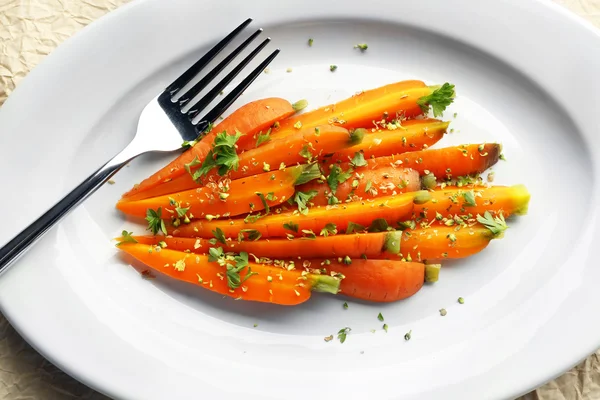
[
  {"x": 297, "y": 148},
  {"x": 249, "y": 119},
  {"x": 402, "y": 99},
  {"x": 225, "y": 197},
  {"x": 364, "y": 183},
  {"x": 254, "y": 282},
  {"x": 439, "y": 242},
  {"x": 447, "y": 162},
  {"x": 377, "y": 280},
  {"x": 411, "y": 136},
  {"x": 452, "y": 202},
  {"x": 351, "y": 217}
]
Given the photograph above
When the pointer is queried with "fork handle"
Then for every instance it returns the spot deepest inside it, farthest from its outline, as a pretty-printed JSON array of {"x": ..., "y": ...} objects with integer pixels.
[{"x": 20, "y": 243}]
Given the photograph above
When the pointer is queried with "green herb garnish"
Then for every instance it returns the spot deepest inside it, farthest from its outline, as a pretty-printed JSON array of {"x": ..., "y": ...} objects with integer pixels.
[
  {"x": 354, "y": 227},
  {"x": 219, "y": 235},
  {"x": 126, "y": 238},
  {"x": 337, "y": 177},
  {"x": 342, "y": 333},
  {"x": 439, "y": 99},
  {"x": 469, "y": 198},
  {"x": 264, "y": 202},
  {"x": 263, "y": 138},
  {"x": 290, "y": 226},
  {"x": 155, "y": 222},
  {"x": 358, "y": 160},
  {"x": 380, "y": 317},
  {"x": 329, "y": 229},
  {"x": 302, "y": 199},
  {"x": 497, "y": 225}
]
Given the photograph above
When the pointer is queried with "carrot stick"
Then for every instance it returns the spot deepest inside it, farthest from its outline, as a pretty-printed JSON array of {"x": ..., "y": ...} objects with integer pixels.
[
  {"x": 452, "y": 202},
  {"x": 377, "y": 280},
  {"x": 360, "y": 109},
  {"x": 225, "y": 197},
  {"x": 256, "y": 282},
  {"x": 249, "y": 119},
  {"x": 446, "y": 162},
  {"x": 413, "y": 135},
  {"x": 345, "y": 217},
  {"x": 364, "y": 184},
  {"x": 294, "y": 149}
]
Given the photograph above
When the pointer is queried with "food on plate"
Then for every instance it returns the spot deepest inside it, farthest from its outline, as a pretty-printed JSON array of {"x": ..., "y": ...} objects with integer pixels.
[{"x": 349, "y": 199}]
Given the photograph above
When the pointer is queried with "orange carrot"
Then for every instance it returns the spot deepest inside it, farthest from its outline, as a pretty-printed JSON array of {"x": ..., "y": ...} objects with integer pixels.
[
  {"x": 446, "y": 162},
  {"x": 348, "y": 217},
  {"x": 254, "y": 282},
  {"x": 365, "y": 184},
  {"x": 451, "y": 201},
  {"x": 294, "y": 149},
  {"x": 361, "y": 109},
  {"x": 249, "y": 119},
  {"x": 377, "y": 280},
  {"x": 225, "y": 197},
  {"x": 413, "y": 135},
  {"x": 439, "y": 242}
]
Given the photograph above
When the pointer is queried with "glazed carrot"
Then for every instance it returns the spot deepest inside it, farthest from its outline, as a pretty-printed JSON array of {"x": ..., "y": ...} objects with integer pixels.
[
  {"x": 439, "y": 242},
  {"x": 414, "y": 135},
  {"x": 249, "y": 119},
  {"x": 366, "y": 184},
  {"x": 265, "y": 283},
  {"x": 446, "y": 162},
  {"x": 448, "y": 202},
  {"x": 372, "y": 245},
  {"x": 345, "y": 217},
  {"x": 225, "y": 197},
  {"x": 378, "y": 280},
  {"x": 291, "y": 150},
  {"x": 361, "y": 110}
]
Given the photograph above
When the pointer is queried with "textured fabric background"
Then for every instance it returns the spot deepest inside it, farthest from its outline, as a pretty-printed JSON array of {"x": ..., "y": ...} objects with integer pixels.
[{"x": 29, "y": 30}]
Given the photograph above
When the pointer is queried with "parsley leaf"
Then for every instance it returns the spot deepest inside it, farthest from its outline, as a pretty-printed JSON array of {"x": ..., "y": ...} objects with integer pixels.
[
  {"x": 264, "y": 201},
  {"x": 291, "y": 226},
  {"x": 222, "y": 156},
  {"x": 469, "y": 198},
  {"x": 181, "y": 211},
  {"x": 496, "y": 225},
  {"x": 402, "y": 226},
  {"x": 155, "y": 222},
  {"x": 358, "y": 160},
  {"x": 378, "y": 225},
  {"x": 305, "y": 153},
  {"x": 215, "y": 254},
  {"x": 188, "y": 167},
  {"x": 337, "y": 176},
  {"x": 439, "y": 99},
  {"x": 253, "y": 234},
  {"x": 219, "y": 235},
  {"x": 329, "y": 229},
  {"x": 263, "y": 138},
  {"x": 302, "y": 199},
  {"x": 343, "y": 333},
  {"x": 380, "y": 317},
  {"x": 308, "y": 234},
  {"x": 309, "y": 172},
  {"x": 354, "y": 227},
  {"x": 127, "y": 238}
]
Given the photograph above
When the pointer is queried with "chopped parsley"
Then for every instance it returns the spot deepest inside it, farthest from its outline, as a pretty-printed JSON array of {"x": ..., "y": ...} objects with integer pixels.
[
  {"x": 251, "y": 234},
  {"x": 337, "y": 176},
  {"x": 219, "y": 235},
  {"x": 329, "y": 229},
  {"x": 378, "y": 225},
  {"x": 333, "y": 67},
  {"x": 361, "y": 46},
  {"x": 155, "y": 222},
  {"x": 291, "y": 226},
  {"x": 380, "y": 317},
  {"x": 342, "y": 333},
  {"x": 408, "y": 335},
  {"x": 354, "y": 227},
  {"x": 496, "y": 225},
  {"x": 310, "y": 42},
  {"x": 469, "y": 198},
  {"x": 358, "y": 160},
  {"x": 263, "y": 138},
  {"x": 385, "y": 327},
  {"x": 234, "y": 264},
  {"x": 305, "y": 153},
  {"x": 302, "y": 199},
  {"x": 188, "y": 167},
  {"x": 264, "y": 201},
  {"x": 222, "y": 156},
  {"x": 308, "y": 234},
  {"x": 345, "y": 305}
]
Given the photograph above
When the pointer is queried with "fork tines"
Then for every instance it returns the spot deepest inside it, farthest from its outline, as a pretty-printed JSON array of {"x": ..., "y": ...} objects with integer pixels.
[{"x": 173, "y": 104}]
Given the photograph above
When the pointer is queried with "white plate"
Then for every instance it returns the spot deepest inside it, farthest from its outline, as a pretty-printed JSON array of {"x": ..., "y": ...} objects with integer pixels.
[{"x": 526, "y": 74}]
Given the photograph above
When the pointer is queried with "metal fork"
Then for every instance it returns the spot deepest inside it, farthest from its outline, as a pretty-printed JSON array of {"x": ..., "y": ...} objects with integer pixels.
[{"x": 163, "y": 127}]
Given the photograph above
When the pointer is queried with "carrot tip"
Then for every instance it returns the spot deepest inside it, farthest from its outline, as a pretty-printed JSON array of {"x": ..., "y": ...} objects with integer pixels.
[
  {"x": 392, "y": 242},
  {"x": 521, "y": 198},
  {"x": 357, "y": 136}
]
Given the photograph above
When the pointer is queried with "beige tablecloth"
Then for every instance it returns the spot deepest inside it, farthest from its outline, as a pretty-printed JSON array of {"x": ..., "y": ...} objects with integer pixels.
[{"x": 30, "y": 29}]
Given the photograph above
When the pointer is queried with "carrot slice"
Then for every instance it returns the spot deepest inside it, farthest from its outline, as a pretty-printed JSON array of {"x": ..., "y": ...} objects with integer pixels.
[
  {"x": 353, "y": 216},
  {"x": 361, "y": 109},
  {"x": 249, "y": 119},
  {"x": 289, "y": 151},
  {"x": 446, "y": 162},
  {"x": 449, "y": 202},
  {"x": 413, "y": 135},
  {"x": 226, "y": 197},
  {"x": 366, "y": 184},
  {"x": 268, "y": 284},
  {"x": 378, "y": 280}
]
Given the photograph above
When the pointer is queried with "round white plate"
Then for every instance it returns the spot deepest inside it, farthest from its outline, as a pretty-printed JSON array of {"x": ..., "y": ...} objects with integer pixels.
[{"x": 526, "y": 75}]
